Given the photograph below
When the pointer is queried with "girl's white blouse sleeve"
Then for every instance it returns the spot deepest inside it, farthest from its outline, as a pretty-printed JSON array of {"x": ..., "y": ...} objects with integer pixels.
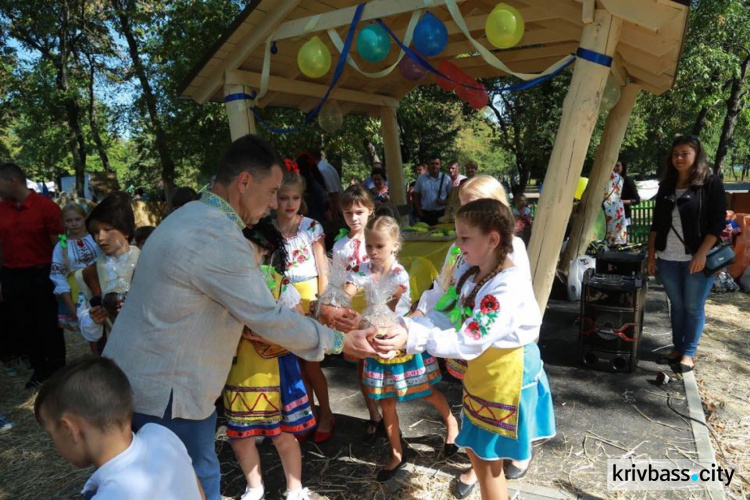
[{"x": 505, "y": 315}]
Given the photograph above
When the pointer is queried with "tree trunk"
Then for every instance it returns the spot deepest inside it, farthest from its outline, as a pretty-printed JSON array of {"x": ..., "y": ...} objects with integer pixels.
[
  {"x": 93, "y": 122},
  {"x": 160, "y": 137},
  {"x": 700, "y": 121},
  {"x": 734, "y": 104},
  {"x": 76, "y": 140}
]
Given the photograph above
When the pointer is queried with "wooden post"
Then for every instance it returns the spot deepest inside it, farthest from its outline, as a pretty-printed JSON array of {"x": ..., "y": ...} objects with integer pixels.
[
  {"x": 393, "y": 162},
  {"x": 580, "y": 111},
  {"x": 241, "y": 118},
  {"x": 606, "y": 157}
]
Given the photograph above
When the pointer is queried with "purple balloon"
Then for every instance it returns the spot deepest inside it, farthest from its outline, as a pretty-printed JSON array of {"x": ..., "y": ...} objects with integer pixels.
[{"x": 411, "y": 69}]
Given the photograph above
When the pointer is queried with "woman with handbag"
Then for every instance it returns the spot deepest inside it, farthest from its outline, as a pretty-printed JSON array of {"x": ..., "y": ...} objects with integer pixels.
[{"x": 687, "y": 221}]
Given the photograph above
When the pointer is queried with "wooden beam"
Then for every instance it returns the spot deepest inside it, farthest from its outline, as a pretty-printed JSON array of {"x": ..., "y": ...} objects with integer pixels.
[
  {"x": 308, "y": 89},
  {"x": 522, "y": 55},
  {"x": 646, "y": 13},
  {"x": 662, "y": 82},
  {"x": 587, "y": 16},
  {"x": 392, "y": 146},
  {"x": 241, "y": 119},
  {"x": 244, "y": 48},
  {"x": 618, "y": 70},
  {"x": 343, "y": 17},
  {"x": 606, "y": 157},
  {"x": 579, "y": 115},
  {"x": 562, "y": 32}
]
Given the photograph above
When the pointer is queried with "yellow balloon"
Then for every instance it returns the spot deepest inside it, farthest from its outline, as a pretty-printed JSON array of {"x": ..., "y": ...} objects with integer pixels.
[
  {"x": 504, "y": 26},
  {"x": 314, "y": 58},
  {"x": 582, "y": 183}
]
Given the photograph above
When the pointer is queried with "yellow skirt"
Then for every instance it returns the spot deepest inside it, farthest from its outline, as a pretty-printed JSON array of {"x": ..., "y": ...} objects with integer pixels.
[{"x": 308, "y": 291}]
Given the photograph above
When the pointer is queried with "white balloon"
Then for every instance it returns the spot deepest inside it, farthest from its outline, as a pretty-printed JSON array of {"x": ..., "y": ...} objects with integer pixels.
[
  {"x": 611, "y": 94},
  {"x": 330, "y": 117}
]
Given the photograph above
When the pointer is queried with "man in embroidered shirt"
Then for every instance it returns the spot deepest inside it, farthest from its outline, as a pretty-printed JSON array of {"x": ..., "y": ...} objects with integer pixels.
[
  {"x": 431, "y": 193},
  {"x": 29, "y": 226},
  {"x": 195, "y": 289}
]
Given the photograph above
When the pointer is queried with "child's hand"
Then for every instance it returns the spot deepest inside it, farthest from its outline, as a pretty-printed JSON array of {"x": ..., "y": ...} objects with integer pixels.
[
  {"x": 357, "y": 343},
  {"x": 388, "y": 347},
  {"x": 98, "y": 315}
]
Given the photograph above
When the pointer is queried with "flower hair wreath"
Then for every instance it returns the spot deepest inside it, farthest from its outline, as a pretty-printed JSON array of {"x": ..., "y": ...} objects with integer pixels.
[{"x": 291, "y": 165}]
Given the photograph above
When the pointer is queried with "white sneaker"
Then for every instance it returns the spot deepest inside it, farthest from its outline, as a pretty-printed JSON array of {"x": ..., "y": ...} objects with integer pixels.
[
  {"x": 300, "y": 494},
  {"x": 253, "y": 493}
]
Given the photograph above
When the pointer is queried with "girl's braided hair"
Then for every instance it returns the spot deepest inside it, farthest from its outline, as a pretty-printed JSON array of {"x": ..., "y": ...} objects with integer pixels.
[
  {"x": 266, "y": 235},
  {"x": 487, "y": 215}
]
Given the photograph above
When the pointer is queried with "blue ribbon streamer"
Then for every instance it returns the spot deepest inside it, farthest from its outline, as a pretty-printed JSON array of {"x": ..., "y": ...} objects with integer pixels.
[
  {"x": 340, "y": 65},
  {"x": 238, "y": 97},
  {"x": 415, "y": 56},
  {"x": 594, "y": 57}
]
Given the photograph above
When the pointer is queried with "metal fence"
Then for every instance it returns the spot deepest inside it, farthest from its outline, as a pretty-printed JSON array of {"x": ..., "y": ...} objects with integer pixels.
[{"x": 640, "y": 222}]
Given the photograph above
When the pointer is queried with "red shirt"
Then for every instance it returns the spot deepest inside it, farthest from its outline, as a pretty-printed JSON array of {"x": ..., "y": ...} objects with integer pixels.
[{"x": 26, "y": 231}]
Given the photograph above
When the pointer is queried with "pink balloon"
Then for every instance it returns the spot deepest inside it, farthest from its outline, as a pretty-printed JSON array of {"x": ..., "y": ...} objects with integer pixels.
[
  {"x": 451, "y": 71},
  {"x": 479, "y": 98},
  {"x": 411, "y": 69},
  {"x": 465, "y": 93}
]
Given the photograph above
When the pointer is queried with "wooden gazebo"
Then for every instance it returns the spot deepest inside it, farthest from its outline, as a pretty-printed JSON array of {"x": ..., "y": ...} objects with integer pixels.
[{"x": 642, "y": 39}]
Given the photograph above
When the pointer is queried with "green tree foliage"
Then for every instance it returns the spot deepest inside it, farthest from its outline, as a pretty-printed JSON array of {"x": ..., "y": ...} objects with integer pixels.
[{"x": 74, "y": 97}]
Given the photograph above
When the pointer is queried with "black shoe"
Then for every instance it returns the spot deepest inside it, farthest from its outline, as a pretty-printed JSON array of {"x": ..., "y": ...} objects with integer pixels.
[
  {"x": 682, "y": 368},
  {"x": 513, "y": 472},
  {"x": 378, "y": 428},
  {"x": 463, "y": 490},
  {"x": 386, "y": 475},
  {"x": 449, "y": 449}
]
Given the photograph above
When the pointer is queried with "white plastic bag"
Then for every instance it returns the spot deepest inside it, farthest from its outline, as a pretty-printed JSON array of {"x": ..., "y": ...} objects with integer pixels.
[{"x": 576, "y": 271}]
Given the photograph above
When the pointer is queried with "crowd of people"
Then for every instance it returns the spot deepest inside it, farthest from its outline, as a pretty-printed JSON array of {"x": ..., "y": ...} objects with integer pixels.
[{"x": 224, "y": 301}]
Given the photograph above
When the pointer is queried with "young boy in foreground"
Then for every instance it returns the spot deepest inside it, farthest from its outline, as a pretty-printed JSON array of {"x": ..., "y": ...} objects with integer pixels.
[{"x": 86, "y": 408}]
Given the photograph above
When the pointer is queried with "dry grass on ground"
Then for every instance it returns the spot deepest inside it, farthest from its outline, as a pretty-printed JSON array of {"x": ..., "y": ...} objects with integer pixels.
[{"x": 31, "y": 469}]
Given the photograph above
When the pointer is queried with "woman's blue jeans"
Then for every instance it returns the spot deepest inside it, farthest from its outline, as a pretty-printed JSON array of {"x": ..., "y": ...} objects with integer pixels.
[{"x": 687, "y": 294}]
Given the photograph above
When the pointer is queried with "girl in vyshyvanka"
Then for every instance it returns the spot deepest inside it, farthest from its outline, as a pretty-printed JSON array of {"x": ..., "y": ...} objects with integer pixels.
[
  {"x": 402, "y": 378},
  {"x": 264, "y": 394},
  {"x": 307, "y": 270},
  {"x": 75, "y": 250},
  {"x": 507, "y": 402},
  {"x": 349, "y": 253}
]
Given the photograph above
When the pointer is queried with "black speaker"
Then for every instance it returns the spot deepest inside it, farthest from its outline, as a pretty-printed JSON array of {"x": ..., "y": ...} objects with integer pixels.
[
  {"x": 621, "y": 263},
  {"x": 611, "y": 322}
]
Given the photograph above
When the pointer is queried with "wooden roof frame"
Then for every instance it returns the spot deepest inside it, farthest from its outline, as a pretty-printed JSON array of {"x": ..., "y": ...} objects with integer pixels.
[
  {"x": 644, "y": 39},
  {"x": 648, "y": 51}
]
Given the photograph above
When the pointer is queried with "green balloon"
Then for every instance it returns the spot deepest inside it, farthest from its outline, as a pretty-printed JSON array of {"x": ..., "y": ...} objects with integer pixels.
[
  {"x": 504, "y": 26},
  {"x": 314, "y": 58}
]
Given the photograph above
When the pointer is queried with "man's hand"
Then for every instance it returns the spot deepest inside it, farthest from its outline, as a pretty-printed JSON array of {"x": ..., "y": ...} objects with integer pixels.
[
  {"x": 388, "y": 347},
  {"x": 98, "y": 315},
  {"x": 651, "y": 266},
  {"x": 357, "y": 343},
  {"x": 339, "y": 318}
]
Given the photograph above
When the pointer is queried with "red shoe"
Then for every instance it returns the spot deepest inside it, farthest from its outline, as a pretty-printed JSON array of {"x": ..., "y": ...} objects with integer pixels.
[{"x": 322, "y": 437}]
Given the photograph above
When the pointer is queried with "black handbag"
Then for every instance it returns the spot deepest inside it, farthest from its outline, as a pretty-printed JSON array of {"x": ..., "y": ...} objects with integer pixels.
[{"x": 717, "y": 258}]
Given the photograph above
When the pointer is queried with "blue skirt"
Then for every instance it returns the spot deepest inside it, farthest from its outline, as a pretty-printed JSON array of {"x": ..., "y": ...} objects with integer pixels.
[{"x": 536, "y": 417}]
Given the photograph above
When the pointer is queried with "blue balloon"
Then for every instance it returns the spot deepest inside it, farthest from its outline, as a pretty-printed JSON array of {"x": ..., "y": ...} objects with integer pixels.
[
  {"x": 373, "y": 43},
  {"x": 430, "y": 35}
]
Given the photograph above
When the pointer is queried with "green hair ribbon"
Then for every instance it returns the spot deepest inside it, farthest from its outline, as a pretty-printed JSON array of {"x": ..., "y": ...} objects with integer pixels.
[
  {"x": 342, "y": 232},
  {"x": 63, "y": 240}
]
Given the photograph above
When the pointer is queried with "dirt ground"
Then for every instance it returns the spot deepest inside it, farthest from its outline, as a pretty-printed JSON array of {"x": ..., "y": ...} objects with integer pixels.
[{"x": 31, "y": 469}]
